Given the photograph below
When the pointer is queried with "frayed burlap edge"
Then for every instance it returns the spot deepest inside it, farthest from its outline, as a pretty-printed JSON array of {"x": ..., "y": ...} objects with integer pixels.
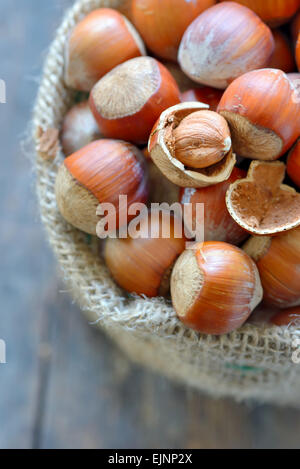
[{"x": 252, "y": 363}]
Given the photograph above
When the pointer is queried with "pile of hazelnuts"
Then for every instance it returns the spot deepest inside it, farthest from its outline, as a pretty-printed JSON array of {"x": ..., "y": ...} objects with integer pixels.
[{"x": 212, "y": 88}]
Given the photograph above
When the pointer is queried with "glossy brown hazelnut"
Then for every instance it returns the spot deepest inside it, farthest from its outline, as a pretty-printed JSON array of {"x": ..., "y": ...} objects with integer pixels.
[
  {"x": 218, "y": 224},
  {"x": 273, "y": 12},
  {"x": 215, "y": 287},
  {"x": 97, "y": 174},
  {"x": 205, "y": 94},
  {"x": 162, "y": 23},
  {"x": 143, "y": 265},
  {"x": 278, "y": 262},
  {"x": 283, "y": 56},
  {"x": 97, "y": 44},
  {"x": 262, "y": 109},
  {"x": 223, "y": 43}
]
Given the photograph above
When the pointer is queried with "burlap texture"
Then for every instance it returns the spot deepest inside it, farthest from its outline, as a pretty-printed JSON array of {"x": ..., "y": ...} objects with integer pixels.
[{"x": 253, "y": 362}]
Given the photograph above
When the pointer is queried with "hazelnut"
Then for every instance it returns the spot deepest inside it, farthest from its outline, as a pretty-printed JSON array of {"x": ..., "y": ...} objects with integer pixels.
[
  {"x": 282, "y": 57},
  {"x": 288, "y": 317},
  {"x": 295, "y": 80},
  {"x": 262, "y": 110},
  {"x": 201, "y": 139},
  {"x": 205, "y": 94},
  {"x": 162, "y": 23},
  {"x": 143, "y": 265},
  {"x": 273, "y": 12},
  {"x": 192, "y": 151},
  {"x": 97, "y": 44},
  {"x": 298, "y": 52},
  {"x": 215, "y": 287},
  {"x": 293, "y": 164},
  {"x": 79, "y": 128},
  {"x": 278, "y": 261},
  {"x": 295, "y": 27},
  {"x": 100, "y": 173},
  {"x": 127, "y": 102},
  {"x": 261, "y": 203},
  {"x": 218, "y": 224}
]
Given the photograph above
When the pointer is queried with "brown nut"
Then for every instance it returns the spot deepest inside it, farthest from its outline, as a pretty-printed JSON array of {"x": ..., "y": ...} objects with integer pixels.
[
  {"x": 288, "y": 317},
  {"x": 97, "y": 44},
  {"x": 98, "y": 174},
  {"x": 272, "y": 12},
  {"x": 79, "y": 128},
  {"x": 215, "y": 287},
  {"x": 143, "y": 264},
  {"x": 166, "y": 134},
  {"x": 223, "y": 43},
  {"x": 262, "y": 110},
  {"x": 218, "y": 224}
]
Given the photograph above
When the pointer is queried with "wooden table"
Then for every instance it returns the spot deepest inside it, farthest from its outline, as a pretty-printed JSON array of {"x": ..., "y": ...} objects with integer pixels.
[{"x": 65, "y": 385}]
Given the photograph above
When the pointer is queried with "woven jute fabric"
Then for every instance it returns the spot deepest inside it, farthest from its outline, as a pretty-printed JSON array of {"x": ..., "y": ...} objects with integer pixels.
[{"x": 254, "y": 362}]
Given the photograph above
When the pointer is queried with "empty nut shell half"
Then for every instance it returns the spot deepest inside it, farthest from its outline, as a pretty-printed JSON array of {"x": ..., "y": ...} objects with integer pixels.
[
  {"x": 162, "y": 150},
  {"x": 261, "y": 204}
]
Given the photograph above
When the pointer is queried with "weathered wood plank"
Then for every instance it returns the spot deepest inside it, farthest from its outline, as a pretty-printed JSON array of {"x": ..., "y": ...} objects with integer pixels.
[
  {"x": 97, "y": 399},
  {"x": 27, "y": 267}
]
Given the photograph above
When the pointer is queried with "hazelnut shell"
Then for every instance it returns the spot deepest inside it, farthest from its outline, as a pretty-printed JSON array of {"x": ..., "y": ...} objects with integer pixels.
[{"x": 261, "y": 204}]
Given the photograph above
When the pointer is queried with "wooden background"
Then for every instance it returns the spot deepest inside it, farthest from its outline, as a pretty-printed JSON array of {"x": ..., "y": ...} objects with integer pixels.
[{"x": 65, "y": 385}]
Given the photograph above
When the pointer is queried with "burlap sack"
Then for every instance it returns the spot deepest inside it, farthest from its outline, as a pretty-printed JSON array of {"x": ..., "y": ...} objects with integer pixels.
[{"x": 254, "y": 362}]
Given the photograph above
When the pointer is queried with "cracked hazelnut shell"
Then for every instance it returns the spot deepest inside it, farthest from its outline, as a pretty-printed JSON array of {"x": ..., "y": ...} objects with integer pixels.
[{"x": 163, "y": 152}]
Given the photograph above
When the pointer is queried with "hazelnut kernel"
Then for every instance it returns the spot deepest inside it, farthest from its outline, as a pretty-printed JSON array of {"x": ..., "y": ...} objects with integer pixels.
[{"x": 202, "y": 139}]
